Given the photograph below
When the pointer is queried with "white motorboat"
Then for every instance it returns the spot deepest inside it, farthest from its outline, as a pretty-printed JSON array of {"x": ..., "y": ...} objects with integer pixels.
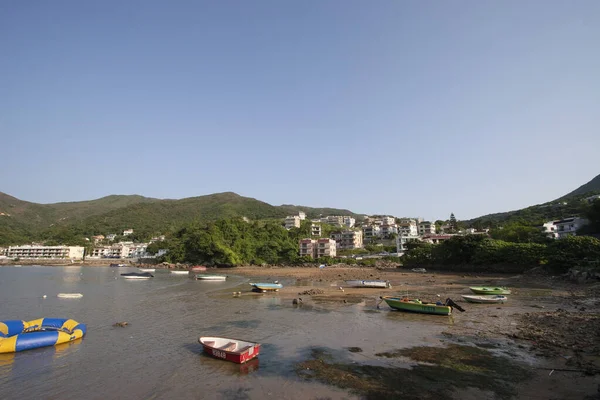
[
  {"x": 369, "y": 284},
  {"x": 147, "y": 269},
  {"x": 180, "y": 272},
  {"x": 137, "y": 275},
  {"x": 205, "y": 277}
]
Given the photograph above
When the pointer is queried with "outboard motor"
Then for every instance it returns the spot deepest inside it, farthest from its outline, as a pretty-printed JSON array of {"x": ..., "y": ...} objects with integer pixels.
[{"x": 451, "y": 303}]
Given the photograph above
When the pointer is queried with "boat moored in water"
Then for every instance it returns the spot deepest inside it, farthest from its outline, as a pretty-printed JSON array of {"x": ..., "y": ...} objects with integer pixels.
[
  {"x": 18, "y": 335},
  {"x": 234, "y": 350},
  {"x": 198, "y": 268},
  {"x": 147, "y": 269},
  {"x": 137, "y": 275},
  {"x": 118, "y": 265},
  {"x": 180, "y": 272},
  {"x": 369, "y": 284}
]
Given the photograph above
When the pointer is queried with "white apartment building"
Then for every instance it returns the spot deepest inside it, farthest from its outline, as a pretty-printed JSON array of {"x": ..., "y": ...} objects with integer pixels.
[
  {"x": 569, "y": 226},
  {"x": 326, "y": 248},
  {"x": 117, "y": 250},
  {"x": 315, "y": 230},
  {"x": 32, "y": 251},
  {"x": 137, "y": 250},
  {"x": 426, "y": 228},
  {"x": 387, "y": 220},
  {"x": 387, "y": 230},
  {"x": 408, "y": 228},
  {"x": 334, "y": 220},
  {"x": 350, "y": 240},
  {"x": 293, "y": 221},
  {"x": 349, "y": 221},
  {"x": 550, "y": 230},
  {"x": 371, "y": 231},
  {"x": 302, "y": 215}
]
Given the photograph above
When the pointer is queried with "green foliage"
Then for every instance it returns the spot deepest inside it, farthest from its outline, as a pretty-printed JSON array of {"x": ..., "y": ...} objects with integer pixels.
[
  {"x": 518, "y": 233},
  {"x": 592, "y": 213},
  {"x": 573, "y": 251}
]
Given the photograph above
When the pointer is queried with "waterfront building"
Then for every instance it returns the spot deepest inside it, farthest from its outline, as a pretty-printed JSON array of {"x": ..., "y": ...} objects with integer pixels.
[
  {"x": 402, "y": 240},
  {"x": 292, "y": 221},
  {"x": 38, "y": 251},
  {"x": 408, "y": 227},
  {"x": 426, "y": 228},
  {"x": 326, "y": 248},
  {"x": 349, "y": 240}
]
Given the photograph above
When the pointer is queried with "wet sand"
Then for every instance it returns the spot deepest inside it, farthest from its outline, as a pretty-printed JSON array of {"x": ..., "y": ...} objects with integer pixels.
[{"x": 549, "y": 328}]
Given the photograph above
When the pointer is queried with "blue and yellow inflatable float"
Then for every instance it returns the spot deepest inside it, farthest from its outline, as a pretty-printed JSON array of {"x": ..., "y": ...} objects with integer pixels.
[{"x": 18, "y": 335}]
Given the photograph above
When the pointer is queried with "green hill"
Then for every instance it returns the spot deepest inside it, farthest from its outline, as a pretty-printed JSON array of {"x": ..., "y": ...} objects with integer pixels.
[
  {"x": 24, "y": 221},
  {"x": 568, "y": 205}
]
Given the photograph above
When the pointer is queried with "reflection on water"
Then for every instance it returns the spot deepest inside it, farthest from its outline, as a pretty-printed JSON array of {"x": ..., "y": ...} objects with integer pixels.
[{"x": 157, "y": 355}]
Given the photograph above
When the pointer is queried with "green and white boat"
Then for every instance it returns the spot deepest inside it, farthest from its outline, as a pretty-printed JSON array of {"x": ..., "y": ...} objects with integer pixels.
[
  {"x": 489, "y": 290},
  {"x": 417, "y": 306}
]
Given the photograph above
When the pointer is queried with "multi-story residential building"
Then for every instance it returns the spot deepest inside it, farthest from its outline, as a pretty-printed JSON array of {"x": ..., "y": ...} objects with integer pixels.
[
  {"x": 111, "y": 236},
  {"x": 315, "y": 230},
  {"x": 349, "y": 240},
  {"x": 388, "y": 220},
  {"x": 408, "y": 228},
  {"x": 326, "y": 248},
  {"x": 302, "y": 215},
  {"x": 349, "y": 221},
  {"x": 117, "y": 250},
  {"x": 334, "y": 220},
  {"x": 137, "y": 250},
  {"x": 293, "y": 221},
  {"x": 426, "y": 228},
  {"x": 388, "y": 230},
  {"x": 34, "y": 251},
  {"x": 128, "y": 232},
  {"x": 569, "y": 226},
  {"x": 549, "y": 228},
  {"x": 308, "y": 248},
  {"x": 371, "y": 231}
]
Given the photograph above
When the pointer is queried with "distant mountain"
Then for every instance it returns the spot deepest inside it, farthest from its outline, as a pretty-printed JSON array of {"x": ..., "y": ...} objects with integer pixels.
[
  {"x": 22, "y": 221},
  {"x": 591, "y": 187},
  {"x": 563, "y": 207}
]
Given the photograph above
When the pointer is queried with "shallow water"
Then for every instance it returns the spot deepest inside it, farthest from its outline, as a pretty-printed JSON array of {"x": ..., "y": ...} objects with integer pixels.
[{"x": 158, "y": 356}]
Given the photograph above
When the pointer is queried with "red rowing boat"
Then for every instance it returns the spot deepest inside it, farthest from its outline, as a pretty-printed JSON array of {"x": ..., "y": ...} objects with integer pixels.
[
  {"x": 196, "y": 268},
  {"x": 237, "y": 351}
]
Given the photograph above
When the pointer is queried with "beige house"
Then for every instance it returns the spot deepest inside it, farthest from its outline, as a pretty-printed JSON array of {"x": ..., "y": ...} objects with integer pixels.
[{"x": 32, "y": 251}]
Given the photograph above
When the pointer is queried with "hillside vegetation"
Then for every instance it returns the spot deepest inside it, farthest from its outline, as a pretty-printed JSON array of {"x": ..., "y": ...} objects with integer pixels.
[{"x": 70, "y": 222}]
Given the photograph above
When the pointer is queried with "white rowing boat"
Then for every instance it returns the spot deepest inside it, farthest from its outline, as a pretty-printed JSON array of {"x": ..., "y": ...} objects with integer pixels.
[
  {"x": 205, "y": 277},
  {"x": 369, "y": 284},
  {"x": 180, "y": 272},
  {"x": 147, "y": 269},
  {"x": 69, "y": 295},
  {"x": 493, "y": 299}
]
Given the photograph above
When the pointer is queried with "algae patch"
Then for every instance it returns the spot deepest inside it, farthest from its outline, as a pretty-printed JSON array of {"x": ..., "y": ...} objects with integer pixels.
[{"x": 446, "y": 371}]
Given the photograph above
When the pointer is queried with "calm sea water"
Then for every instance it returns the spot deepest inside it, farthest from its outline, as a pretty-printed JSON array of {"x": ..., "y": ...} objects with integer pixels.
[{"x": 157, "y": 356}]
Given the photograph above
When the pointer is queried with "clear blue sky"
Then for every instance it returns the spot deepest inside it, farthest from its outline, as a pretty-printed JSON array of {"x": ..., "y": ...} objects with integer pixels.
[{"x": 411, "y": 108}]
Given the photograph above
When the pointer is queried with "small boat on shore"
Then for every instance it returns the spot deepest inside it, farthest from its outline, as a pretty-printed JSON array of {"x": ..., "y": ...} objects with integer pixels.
[
  {"x": 264, "y": 287},
  {"x": 147, "y": 269},
  {"x": 69, "y": 295},
  {"x": 180, "y": 272},
  {"x": 197, "y": 268},
  {"x": 137, "y": 275},
  {"x": 214, "y": 278},
  {"x": 369, "y": 284},
  {"x": 417, "y": 306},
  {"x": 234, "y": 350},
  {"x": 117, "y": 265},
  {"x": 489, "y": 299},
  {"x": 489, "y": 290}
]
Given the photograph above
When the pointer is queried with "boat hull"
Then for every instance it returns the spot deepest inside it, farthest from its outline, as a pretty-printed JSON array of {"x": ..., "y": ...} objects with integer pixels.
[
  {"x": 136, "y": 275},
  {"x": 214, "y": 278},
  {"x": 369, "y": 284},
  {"x": 265, "y": 287},
  {"x": 180, "y": 272},
  {"x": 400, "y": 304},
  {"x": 69, "y": 295},
  {"x": 233, "y": 350},
  {"x": 491, "y": 299},
  {"x": 198, "y": 268},
  {"x": 489, "y": 290},
  {"x": 147, "y": 269}
]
